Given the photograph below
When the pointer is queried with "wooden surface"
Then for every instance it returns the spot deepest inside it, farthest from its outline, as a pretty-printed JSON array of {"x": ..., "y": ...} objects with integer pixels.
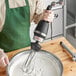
[{"x": 54, "y": 47}]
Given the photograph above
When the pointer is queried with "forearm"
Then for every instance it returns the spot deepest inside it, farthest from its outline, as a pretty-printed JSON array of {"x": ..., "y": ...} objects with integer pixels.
[
  {"x": 37, "y": 17},
  {"x": 39, "y": 9}
]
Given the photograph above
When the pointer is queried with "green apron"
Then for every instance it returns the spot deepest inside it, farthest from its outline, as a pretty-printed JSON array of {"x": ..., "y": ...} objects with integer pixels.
[{"x": 15, "y": 33}]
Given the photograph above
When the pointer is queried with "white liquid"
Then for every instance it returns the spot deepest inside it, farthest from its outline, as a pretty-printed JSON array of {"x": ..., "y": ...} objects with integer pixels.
[{"x": 41, "y": 65}]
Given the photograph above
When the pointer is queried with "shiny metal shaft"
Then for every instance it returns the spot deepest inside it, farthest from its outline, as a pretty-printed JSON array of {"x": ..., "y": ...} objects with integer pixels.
[{"x": 28, "y": 61}]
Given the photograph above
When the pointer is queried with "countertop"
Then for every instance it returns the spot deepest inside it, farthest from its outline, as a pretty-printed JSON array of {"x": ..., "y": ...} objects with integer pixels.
[{"x": 53, "y": 46}]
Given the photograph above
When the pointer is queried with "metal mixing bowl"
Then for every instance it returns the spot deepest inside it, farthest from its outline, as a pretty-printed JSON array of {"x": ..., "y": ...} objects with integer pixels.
[{"x": 42, "y": 64}]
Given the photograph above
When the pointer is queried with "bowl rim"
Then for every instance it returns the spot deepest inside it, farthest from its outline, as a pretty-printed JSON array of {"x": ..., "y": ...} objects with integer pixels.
[{"x": 27, "y": 51}]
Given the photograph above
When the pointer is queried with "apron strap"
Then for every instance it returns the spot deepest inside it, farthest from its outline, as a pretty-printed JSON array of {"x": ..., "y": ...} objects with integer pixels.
[{"x": 7, "y": 3}]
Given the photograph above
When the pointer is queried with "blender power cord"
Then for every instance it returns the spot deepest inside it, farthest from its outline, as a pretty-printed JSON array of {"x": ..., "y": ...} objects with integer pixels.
[{"x": 51, "y": 30}]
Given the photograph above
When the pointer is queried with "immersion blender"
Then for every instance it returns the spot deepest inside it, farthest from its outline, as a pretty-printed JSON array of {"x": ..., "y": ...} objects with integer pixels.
[{"x": 39, "y": 35}]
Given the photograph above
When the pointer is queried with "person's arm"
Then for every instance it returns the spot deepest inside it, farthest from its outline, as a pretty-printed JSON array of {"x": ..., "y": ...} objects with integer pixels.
[
  {"x": 41, "y": 13},
  {"x": 39, "y": 8},
  {"x": 2, "y": 14},
  {"x": 3, "y": 57}
]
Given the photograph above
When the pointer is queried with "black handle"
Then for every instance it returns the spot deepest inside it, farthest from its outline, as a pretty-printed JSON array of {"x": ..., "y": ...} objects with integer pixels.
[
  {"x": 50, "y": 6},
  {"x": 54, "y": 3},
  {"x": 35, "y": 46},
  {"x": 42, "y": 27}
]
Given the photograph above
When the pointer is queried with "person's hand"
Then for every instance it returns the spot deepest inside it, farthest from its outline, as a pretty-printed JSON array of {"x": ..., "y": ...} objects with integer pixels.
[
  {"x": 3, "y": 59},
  {"x": 48, "y": 15}
]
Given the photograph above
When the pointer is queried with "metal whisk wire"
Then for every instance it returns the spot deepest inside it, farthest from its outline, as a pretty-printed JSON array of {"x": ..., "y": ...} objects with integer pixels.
[{"x": 26, "y": 64}]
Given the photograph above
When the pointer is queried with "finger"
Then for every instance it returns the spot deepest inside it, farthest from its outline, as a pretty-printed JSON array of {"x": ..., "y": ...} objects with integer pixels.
[
  {"x": 48, "y": 14},
  {"x": 2, "y": 62},
  {"x": 48, "y": 11},
  {"x": 6, "y": 60}
]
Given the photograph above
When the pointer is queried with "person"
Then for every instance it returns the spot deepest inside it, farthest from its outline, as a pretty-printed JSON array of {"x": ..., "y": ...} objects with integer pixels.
[{"x": 15, "y": 19}]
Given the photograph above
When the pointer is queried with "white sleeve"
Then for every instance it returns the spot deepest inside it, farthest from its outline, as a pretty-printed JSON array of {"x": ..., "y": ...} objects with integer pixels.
[
  {"x": 41, "y": 5},
  {"x": 2, "y": 13}
]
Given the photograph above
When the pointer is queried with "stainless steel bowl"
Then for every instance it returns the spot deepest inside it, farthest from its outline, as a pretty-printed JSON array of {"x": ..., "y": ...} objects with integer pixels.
[{"x": 42, "y": 64}]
